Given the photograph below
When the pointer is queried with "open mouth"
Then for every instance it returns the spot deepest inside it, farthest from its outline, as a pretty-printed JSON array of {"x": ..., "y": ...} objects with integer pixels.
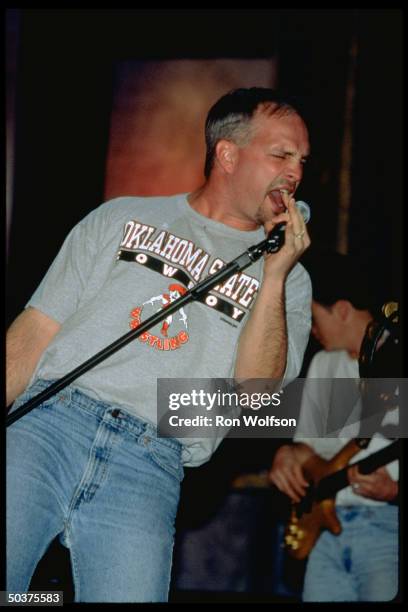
[{"x": 275, "y": 197}]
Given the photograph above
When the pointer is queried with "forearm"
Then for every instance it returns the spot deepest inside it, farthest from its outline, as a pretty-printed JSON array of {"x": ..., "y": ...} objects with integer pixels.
[
  {"x": 302, "y": 452},
  {"x": 20, "y": 365},
  {"x": 27, "y": 338},
  {"x": 263, "y": 344}
]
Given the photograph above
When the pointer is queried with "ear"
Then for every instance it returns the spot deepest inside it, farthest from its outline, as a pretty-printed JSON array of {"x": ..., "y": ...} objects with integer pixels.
[
  {"x": 226, "y": 155},
  {"x": 343, "y": 309}
]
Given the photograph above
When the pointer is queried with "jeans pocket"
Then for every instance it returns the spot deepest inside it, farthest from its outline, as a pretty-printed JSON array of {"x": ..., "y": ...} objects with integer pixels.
[{"x": 167, "y": 458}]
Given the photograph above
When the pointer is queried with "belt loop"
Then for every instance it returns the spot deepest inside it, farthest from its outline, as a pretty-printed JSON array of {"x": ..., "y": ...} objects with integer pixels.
[{"x": 65, "y": 395}]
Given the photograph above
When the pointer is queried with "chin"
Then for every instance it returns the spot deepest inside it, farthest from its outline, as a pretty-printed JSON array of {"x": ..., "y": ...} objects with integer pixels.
[
  {"x": 266, "y": 213},
  {"x": 263, "y": 217}
]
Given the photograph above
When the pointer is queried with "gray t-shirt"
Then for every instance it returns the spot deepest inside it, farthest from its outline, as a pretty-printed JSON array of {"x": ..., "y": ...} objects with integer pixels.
[{"x": 131, "y": 257}]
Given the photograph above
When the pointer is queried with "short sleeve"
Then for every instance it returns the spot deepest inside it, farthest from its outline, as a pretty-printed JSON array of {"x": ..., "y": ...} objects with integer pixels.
[{"x": 59, "y": 292}]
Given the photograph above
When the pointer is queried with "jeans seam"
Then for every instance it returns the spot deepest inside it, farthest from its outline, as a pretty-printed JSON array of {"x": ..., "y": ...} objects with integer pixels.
[
  {"x": 153, "y": 457},
  {"x": 83, "y": 408},
  {"x": 75, "y": 571},
  {"x": 104, "y": 467}
]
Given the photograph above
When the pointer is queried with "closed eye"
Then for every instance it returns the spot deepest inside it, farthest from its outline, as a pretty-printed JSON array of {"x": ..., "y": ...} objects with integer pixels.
[{"x": 284, "y": 155}]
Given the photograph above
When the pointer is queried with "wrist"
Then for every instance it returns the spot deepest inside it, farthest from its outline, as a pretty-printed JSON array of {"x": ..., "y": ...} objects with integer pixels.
[
  {"x": 302, "y": 451},
  {"x": 394, "y": 497}
]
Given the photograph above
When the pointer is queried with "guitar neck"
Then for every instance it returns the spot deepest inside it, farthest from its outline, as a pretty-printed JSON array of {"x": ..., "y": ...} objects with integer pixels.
[{"x": 330, "y": 485}]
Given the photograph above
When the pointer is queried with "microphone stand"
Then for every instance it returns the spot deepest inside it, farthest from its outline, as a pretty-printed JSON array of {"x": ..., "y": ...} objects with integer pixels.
[{"x": 271, "y": 244}]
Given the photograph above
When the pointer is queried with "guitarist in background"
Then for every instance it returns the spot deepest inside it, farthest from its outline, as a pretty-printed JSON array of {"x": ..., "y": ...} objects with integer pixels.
[{"x": 361, "y": 563}]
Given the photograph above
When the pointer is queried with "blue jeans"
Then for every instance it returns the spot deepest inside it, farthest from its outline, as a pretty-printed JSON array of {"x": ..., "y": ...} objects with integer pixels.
[
  {"x": 100, "y": 479},
  {"x": 360, "y": 564}
]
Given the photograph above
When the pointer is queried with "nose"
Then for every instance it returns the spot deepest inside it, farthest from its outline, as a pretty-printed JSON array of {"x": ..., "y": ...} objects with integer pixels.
[{"x": 294, "y": 170}]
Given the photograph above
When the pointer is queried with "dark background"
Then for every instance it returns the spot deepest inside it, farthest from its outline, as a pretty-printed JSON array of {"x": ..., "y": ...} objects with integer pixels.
[{"x": 64, "y": 75}]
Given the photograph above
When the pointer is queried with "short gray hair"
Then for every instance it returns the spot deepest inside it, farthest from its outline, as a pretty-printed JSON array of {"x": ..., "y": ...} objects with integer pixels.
[{"x": 230, "y": 117}]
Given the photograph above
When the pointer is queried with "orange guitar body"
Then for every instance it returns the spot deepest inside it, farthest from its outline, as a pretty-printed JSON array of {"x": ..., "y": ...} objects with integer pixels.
[
  {"x": 301, "y": 533},
  {"x": 316, "y": 511}
]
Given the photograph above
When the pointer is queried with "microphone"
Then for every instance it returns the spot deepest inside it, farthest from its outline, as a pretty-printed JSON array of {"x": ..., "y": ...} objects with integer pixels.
[{"x": 276, "y": 236}]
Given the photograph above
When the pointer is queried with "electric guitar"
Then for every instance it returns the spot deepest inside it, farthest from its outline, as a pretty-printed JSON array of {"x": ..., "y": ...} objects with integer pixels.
[{"x": 316, "y": 511}]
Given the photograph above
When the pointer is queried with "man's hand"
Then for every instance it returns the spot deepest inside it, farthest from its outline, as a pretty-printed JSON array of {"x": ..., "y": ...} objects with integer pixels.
[
  {"x": 297, "y": 240},
  {"x": 286, "y": 471},
  {"x": 378, "y": 485}
]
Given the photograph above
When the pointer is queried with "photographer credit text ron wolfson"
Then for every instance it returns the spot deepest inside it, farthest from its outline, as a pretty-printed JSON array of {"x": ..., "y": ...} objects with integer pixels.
[{"x": 209, "y": 401}]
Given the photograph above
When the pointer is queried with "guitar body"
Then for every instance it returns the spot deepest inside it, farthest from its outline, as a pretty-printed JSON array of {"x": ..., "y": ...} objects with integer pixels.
[
  {"x": 303, "y": 531},
  {"x": 316, "y": 511}
]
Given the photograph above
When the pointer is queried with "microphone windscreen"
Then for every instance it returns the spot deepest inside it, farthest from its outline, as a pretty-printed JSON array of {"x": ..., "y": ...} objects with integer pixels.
[{"x": 304, "y": 210}]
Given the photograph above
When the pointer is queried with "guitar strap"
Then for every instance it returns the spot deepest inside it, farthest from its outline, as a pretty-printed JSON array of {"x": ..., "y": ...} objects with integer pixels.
[{"x": 379, "y": 361}]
